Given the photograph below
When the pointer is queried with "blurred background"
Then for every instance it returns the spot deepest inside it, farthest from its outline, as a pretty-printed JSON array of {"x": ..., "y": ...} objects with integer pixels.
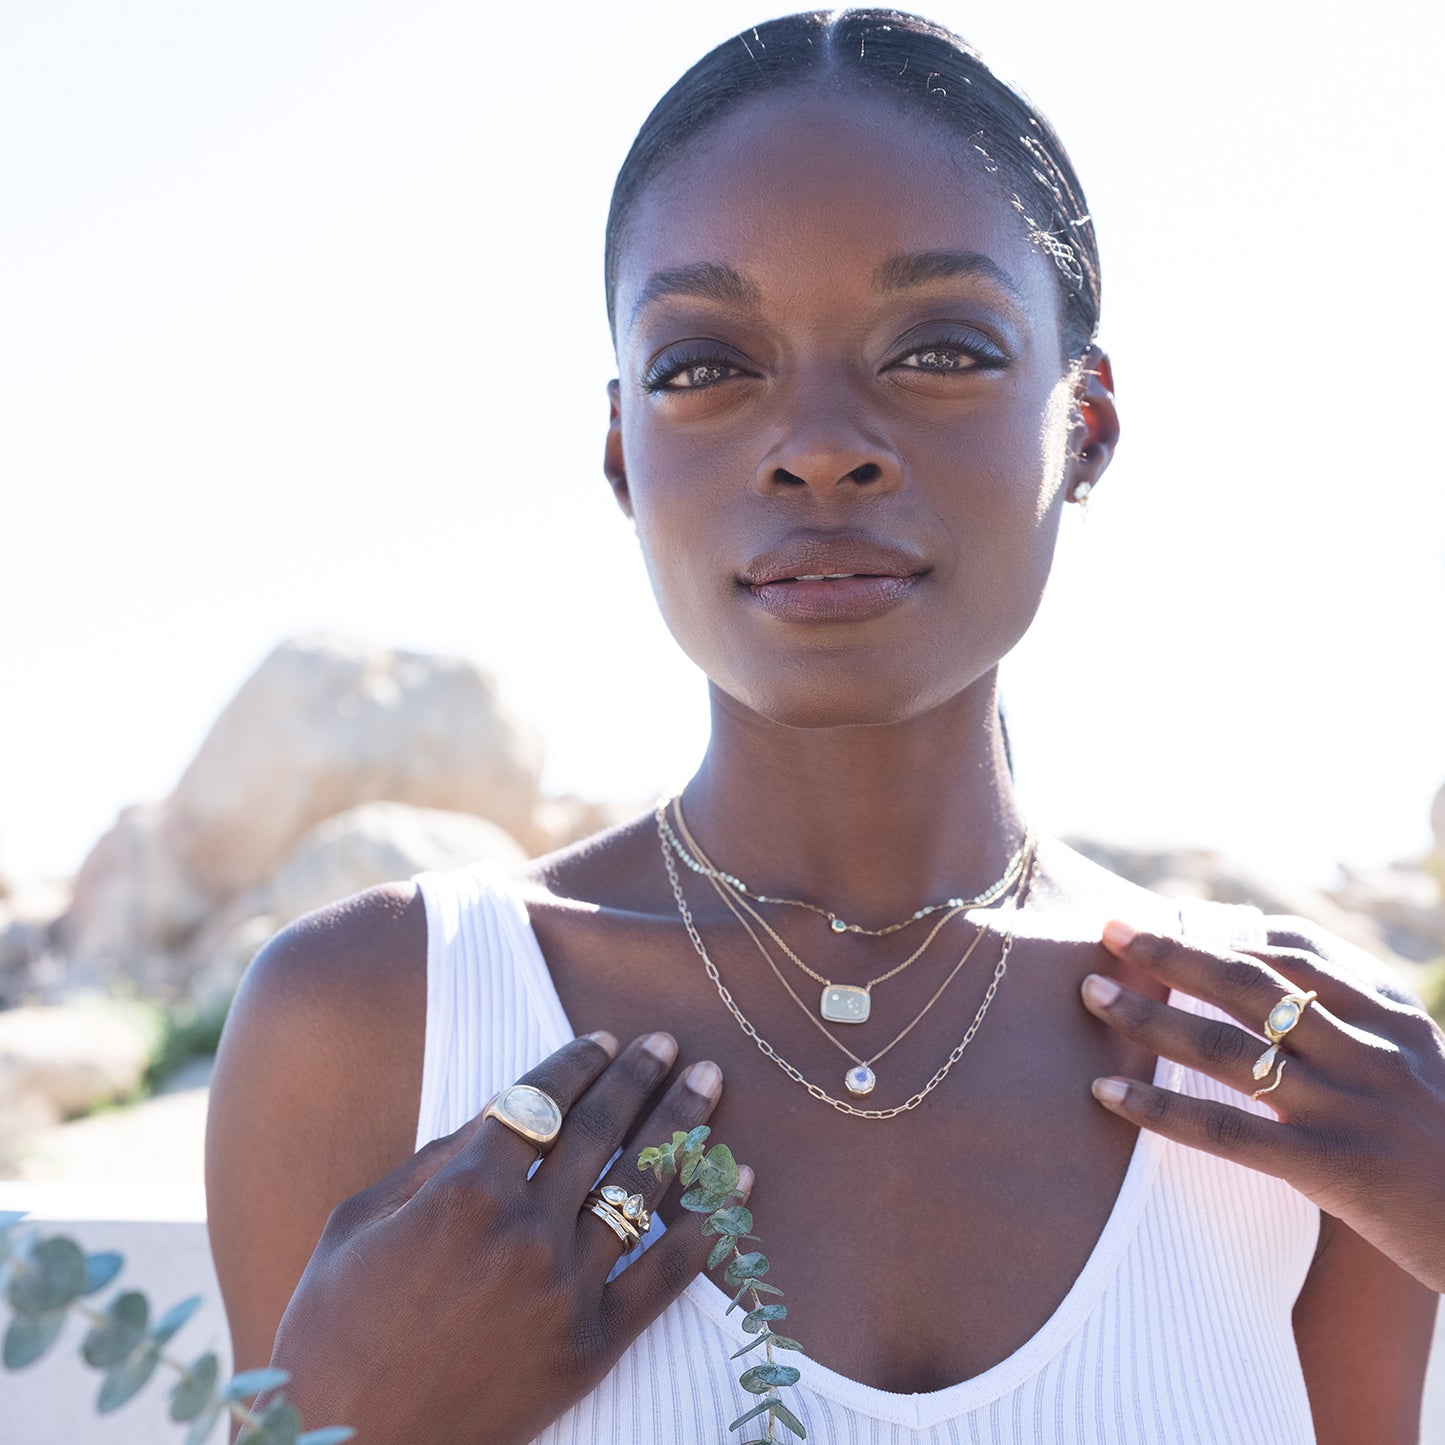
[{"x": 310, "y": 572}]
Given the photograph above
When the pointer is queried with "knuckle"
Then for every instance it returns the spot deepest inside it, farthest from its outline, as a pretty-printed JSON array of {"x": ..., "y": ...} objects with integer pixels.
[
  {"x": 593, "y": 1122},
  {"x": 587, "y": 1349},
  {"x": 674, "y": 1272},
  {"x": 1221, "y": 1044},
  {"x": 1155, "y": 948},
  {"x": 1224, "y": 1127}
]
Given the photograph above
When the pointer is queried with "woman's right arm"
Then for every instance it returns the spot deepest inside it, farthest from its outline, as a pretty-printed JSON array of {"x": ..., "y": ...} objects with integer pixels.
[{"x": 440, "y": 1295}]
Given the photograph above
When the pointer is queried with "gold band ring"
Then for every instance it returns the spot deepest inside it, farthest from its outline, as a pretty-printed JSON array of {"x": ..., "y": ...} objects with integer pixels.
[
  {"x": 527, "y": 1112},
  {"x": 1282, "y": 1018},
  {"x": 626, "y": 1213}
]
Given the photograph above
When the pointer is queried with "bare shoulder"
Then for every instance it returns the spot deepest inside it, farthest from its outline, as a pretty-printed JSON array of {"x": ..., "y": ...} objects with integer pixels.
[{"x": 315, "y": 1094}]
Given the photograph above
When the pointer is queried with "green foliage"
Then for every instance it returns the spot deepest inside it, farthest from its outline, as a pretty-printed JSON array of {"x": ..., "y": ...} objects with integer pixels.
[
  {"x": 45, "y": 1280},
  {"x": 713, "y": 1175},
  {"x": 1432, "y": 990},
  {"x": 183, "y": 1035}
]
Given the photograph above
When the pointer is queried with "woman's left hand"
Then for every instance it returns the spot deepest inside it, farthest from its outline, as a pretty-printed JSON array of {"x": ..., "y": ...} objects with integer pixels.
[{"x": 1360, "y": 1105}]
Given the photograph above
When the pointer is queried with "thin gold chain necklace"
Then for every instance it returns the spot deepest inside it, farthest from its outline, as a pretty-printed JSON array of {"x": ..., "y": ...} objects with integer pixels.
[
  {"x": 841, "y": 1105},
  {"x": 698, "y": 864},
  {"x": 842, "y": 1003}
]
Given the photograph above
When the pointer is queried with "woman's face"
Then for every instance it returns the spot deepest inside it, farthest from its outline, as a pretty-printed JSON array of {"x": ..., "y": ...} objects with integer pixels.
[{"x": 842, "y": 419}]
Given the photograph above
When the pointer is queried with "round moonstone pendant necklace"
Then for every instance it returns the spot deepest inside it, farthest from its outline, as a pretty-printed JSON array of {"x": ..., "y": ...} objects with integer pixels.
[{"x": 860, "y": 1080}]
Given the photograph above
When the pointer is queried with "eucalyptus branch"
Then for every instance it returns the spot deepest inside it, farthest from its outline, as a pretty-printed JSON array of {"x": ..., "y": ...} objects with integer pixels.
[
  {"x": 710, "y": 1177},
  {"x": 44, "y": 1280}
]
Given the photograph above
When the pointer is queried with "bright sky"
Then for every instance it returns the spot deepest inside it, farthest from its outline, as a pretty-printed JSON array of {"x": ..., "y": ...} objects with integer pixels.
[{"x": 303, "y": 328}]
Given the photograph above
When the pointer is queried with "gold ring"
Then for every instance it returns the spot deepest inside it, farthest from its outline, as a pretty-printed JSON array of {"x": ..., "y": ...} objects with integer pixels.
[
  {"x": 626, "y": 1213},
  {"x": 1278, "y": 1075},
  {"x": 528, "y": 1112},
  {"x": 1286, "y": 1014},
  {"x": 1282, "y": 1018}
]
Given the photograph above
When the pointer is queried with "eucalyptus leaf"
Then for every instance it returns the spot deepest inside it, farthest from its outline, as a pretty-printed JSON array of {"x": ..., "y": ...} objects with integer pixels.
[
  {"x": 52, "y": 1275},
  {"x": 280, "y": 1425},
  {"x": 735, "y": 1220},
  {"x": 174, "y": 1318},
  {"x": 118, "y": 1331},
  {"x": 9, "y": 1217},
  {"x": 204, "y": 1423},
  {"x": 100, "y": 1269},
  {"x": 696, "y": 1138},
  {"x": 751, "y": 1415},
  {"x": 331, "y": 1435},
  {"x": 691, "y": 1163},
  {"x": 127, "y": 1377},
  {"x": 762, "y": 1339},
  {"x": 737, "y": 1298},
  {"x": 648, "y": 1158},
  {"x": 29, "y": 1336},
  {"x": 770, "y": 1374},
  {"x": 765, "y": 1288},
  {"x": 252, "y": 1382},
  {"x": 783, "y": 1342},
  {"x": 720, "y": 1251},
  {"x": 192, "y": 1392},
  {"x": 678, "y": 1141},
  {"x": 703, "y": 1201},
  {"x": 747, "y": 1266},
  {"x": 754, "y": 1320},
  {"x": 781, "y": 1412},
  {"x": 754, "y": 1386},
  {"x": 719, "y": 1172}
]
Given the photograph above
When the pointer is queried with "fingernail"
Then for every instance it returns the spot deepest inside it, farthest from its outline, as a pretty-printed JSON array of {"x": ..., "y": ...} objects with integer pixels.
[
  {"x": 745, "y": 1180},
  {"x": 1110, "y": 1091},
  {"x": 662, "y": 1047},
  {"x": 605, "y": 1040},
  {"x": 1118, "y": 934},
  {"x": 705, "y": 1079},
  {"x": 1100, "y": 991}
]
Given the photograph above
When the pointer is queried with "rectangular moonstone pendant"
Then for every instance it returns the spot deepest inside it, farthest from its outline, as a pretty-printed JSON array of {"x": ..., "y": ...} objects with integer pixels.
[{"x": 844, "y": 1004}]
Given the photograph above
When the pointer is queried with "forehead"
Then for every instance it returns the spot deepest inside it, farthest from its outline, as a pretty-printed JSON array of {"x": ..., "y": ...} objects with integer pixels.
[{"x": 814, "y": 190}]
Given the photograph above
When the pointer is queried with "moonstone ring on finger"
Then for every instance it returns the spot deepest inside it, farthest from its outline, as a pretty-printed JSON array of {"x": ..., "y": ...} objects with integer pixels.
[
  {"x": 527, "y": 1111},
  {"x": 1282, "y": 1018}
]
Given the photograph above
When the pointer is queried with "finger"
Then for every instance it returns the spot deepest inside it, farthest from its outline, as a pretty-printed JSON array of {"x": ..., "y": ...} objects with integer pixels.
[
  {"x": 495, "y": 1150},
  {"x": 689, "y": 1102},
  {"x": 1243, "y": 986},
  {"x": 653, "y": 1281},
  {"x": 1220, "y": 1129},
  {"x": 1210, "y": 1045},
  {"x": 601, "y": 1119},
  {"x": 1371, "y": 1003}
]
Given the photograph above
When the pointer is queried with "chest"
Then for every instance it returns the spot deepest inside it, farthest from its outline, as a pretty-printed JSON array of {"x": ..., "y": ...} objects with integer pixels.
[{"x": 915, "y": 1251}]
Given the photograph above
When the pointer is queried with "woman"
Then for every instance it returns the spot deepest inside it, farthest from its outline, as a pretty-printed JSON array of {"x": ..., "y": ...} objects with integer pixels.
[{"x": 854, "y": 291}]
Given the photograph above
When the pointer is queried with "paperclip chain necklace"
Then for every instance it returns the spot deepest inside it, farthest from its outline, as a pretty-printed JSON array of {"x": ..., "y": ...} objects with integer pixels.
[
  {"x": 841, "y": 1105},
  {"x": 839, "y": 1003},
  {"x": 700, "y": 865}
]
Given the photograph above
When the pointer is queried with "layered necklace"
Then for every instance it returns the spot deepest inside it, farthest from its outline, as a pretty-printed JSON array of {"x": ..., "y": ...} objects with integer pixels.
[{"x": 859, "y": 1080}]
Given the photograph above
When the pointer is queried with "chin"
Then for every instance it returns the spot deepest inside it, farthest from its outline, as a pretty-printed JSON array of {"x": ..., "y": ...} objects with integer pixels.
[{"x": 824, "y": 697}]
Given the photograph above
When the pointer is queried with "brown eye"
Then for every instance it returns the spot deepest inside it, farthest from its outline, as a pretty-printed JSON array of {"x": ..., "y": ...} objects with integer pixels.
[
  {"x": 703, "y": 374},
  {"x": 940, "y": 358}
]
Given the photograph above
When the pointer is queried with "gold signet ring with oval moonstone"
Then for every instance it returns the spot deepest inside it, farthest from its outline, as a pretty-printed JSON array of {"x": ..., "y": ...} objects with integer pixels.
[
  {"x": 1282, "y": 1018},
  {"x": 529, "y": 1112}
]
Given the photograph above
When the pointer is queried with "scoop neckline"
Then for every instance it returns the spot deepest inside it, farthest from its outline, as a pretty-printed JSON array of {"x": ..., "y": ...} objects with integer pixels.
[{"x": 930, "y": 1407}]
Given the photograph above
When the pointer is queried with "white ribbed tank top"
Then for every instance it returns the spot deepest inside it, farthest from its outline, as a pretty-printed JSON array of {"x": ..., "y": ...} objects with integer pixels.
[{"x": 1177, "y": 1331}]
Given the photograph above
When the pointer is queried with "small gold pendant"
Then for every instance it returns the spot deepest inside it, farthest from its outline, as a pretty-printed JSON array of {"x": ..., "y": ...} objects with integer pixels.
[{"x": 844, "y": 1003}]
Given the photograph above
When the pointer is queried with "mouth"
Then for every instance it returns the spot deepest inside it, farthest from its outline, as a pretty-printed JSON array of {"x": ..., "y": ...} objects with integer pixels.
[{"x": 842, "y": 577}]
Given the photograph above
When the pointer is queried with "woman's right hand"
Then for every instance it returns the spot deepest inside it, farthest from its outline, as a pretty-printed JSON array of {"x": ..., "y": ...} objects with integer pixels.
[{"x": 456, "y": 1299}]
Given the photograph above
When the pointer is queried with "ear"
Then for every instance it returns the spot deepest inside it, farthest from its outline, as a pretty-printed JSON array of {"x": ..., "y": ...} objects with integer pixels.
[
  {"x": 1095, "y": 433},
  {"x": 613, "y": 467}
]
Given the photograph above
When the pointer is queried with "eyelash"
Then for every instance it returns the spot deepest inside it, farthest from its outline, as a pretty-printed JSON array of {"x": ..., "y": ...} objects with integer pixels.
[{"x": 981, "y": 353}]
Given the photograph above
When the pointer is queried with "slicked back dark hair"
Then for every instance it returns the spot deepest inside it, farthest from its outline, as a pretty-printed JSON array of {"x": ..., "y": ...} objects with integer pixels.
[{"x": 933, "y": 72}]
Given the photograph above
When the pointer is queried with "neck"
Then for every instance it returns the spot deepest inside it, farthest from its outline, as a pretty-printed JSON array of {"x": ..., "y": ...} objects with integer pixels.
[{"x": 877, "y": 820}]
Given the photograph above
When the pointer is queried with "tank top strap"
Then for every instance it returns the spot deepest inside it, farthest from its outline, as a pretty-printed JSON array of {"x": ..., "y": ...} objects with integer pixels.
[{"x": 492, "y": 1011}]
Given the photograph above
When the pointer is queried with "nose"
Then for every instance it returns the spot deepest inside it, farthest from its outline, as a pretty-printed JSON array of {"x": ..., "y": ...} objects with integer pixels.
[{"x": 827, "y": 450}]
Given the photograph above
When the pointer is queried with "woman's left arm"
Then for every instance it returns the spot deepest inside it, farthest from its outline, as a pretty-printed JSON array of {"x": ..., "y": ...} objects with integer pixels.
[
  {"x": 1363, "y": 1328},
  {"x": 1359, "y": 1094}
]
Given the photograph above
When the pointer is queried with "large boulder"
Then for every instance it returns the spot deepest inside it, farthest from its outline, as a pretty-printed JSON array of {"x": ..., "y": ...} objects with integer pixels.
[
  {"x": 322, "y": 726},
  {"x": 360, "y": 848}
]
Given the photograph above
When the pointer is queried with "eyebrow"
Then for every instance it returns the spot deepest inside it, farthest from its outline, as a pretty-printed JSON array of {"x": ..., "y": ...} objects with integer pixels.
[
  {"x": 707, "y": 280},
  {"x": 918, "y": 268}
]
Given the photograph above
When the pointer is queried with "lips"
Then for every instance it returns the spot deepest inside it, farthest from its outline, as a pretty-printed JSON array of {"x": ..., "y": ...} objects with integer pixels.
[{"x": 840, "y": 577}]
